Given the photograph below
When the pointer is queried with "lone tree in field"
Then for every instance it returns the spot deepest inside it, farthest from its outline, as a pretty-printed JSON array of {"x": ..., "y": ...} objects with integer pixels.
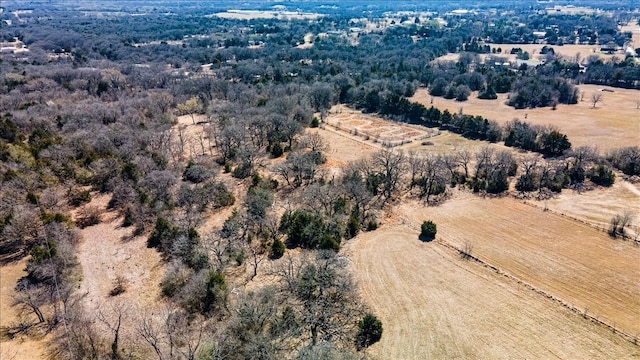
[
  {"x": 595, "y": 99},
  {"x": 428, "y": 231},
  {"x": 369, "y": 331},
  {"x": 619, "y": 223}
]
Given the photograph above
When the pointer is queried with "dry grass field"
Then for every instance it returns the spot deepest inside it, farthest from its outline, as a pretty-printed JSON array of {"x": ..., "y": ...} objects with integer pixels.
[
  {"x": 615, "y": 122},
  {"x": 597, "y": 206},
  {"x": 569, "y": 260},
  {"x": 107, "y": 250},
  {"x": 434, "y": 305}
]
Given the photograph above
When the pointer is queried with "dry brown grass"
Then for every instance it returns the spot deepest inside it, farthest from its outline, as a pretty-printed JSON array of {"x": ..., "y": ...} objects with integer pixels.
[
  {"x": 597, "y": 206},
  {"x": 22, "y": 346},
  {"x": 634, "y": 28},
  {"x": 435, "y": 305},
  {"x": 570, "y": 260},
  {"x": 614, "y": 123},
  {"x": 108, "y": 251}
]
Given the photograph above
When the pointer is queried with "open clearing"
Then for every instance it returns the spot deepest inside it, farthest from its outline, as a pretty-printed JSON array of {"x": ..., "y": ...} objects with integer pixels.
[
  {"x": 569, "y": 260},
  {"x": 374, "y": 128},
  {"x": 597, "y": 206},
  {"x": 634, "y": 28},
  {"x": 434, "y": 305},
  {"x": 106, "y": 251},
  {"x": 614, "y": 123}
]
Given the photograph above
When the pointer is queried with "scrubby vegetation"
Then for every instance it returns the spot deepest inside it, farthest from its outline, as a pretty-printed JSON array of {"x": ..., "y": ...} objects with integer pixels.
[{"x": 177, "y": 120}]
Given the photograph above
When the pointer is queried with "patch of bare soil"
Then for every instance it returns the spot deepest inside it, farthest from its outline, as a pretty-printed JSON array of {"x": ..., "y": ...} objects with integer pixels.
[
  {"x": 374, "y": 128},
  {"x": 108, "y": 251},
  {"x": 23, "y": 346},
  {"x": 343, "y": 148},
  {"x": 614, "y": 123}
]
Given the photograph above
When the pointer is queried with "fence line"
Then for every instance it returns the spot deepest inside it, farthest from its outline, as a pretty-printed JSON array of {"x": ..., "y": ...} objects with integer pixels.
[{"x": 565, "y": 304}]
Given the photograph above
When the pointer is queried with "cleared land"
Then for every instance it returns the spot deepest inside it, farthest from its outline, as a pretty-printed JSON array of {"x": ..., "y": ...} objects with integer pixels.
[
  {"x": 374, "y": 128},
  {"x": 569, "y": 260},
  {"x": 615, "y": 122},
  {"x": 435, "y": 305},
  {"x": 634, "y": 28},
  {"x": 598, "y": 206},
  {"x": 107, "y": 250}
]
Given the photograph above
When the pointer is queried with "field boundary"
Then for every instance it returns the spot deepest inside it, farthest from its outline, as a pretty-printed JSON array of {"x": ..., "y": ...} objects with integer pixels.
[
  {"x": 634, "y": 239},
  {"x": 582, "y": 312},
  {"x": 367, "y": 131}
]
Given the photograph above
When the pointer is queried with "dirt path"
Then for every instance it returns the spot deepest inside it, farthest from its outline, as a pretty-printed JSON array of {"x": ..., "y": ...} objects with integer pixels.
[
  {"x": 435, "y": 305},
  {"x": 107, "y": 251}
]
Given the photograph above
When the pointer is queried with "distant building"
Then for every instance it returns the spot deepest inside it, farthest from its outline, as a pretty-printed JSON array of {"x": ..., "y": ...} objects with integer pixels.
[{"x": 609, "y": 48}]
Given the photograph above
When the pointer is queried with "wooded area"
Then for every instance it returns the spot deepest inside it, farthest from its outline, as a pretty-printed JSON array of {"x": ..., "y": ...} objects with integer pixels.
[{"x": 179, "y": 116}]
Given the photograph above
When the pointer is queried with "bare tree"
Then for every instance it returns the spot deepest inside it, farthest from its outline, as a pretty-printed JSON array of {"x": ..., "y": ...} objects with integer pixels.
[
  {"x": 463, "y": 157},
  {"x": 595, "y": 99},
  {"x": 114, "y": 323},
  {"x": 431, "y": 177},
  {"x": 391, "y": 167},
  {"x": 619, "y": 223},
  {"x": 32, "y": 298},
  {"x": 174, "y": 335},
  {"x": 483, "y": 161}
]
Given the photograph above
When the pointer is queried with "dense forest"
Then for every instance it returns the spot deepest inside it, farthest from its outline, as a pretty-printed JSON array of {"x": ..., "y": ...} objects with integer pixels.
[{"x": 91, "y": 109}]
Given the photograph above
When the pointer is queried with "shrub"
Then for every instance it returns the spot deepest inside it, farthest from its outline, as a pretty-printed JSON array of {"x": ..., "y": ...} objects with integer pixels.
[
  {"x": 242, "y": 171},
  {"x": 195, "y": 173},
  {"x": 428, "y": 231},
  {"x": 308, "y": 230},
  {"x": 175, "y": 279},
  {"x": 88, "y": 216},
  {"x": 276, "y": 150},
  {"x": 372, "y": 225},
  {"x": 277, "y": 249},
  {"x": 353, "y": 227},
  {"x": 119, "y": 286},
  {"x": 602, "y": 175},
  {"x": 369, "y": 331},
  {"x": 78, "y": 197}
]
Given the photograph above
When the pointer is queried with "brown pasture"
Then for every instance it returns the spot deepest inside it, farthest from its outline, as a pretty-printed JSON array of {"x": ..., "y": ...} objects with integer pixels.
[
  {"x": 559, "y": 277},
  {"x": 563, "y": 257},
  {"x": 598, "y": 206},
  {"x": 434, "y": 305},
  {"x": 613, "y": 123}
]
